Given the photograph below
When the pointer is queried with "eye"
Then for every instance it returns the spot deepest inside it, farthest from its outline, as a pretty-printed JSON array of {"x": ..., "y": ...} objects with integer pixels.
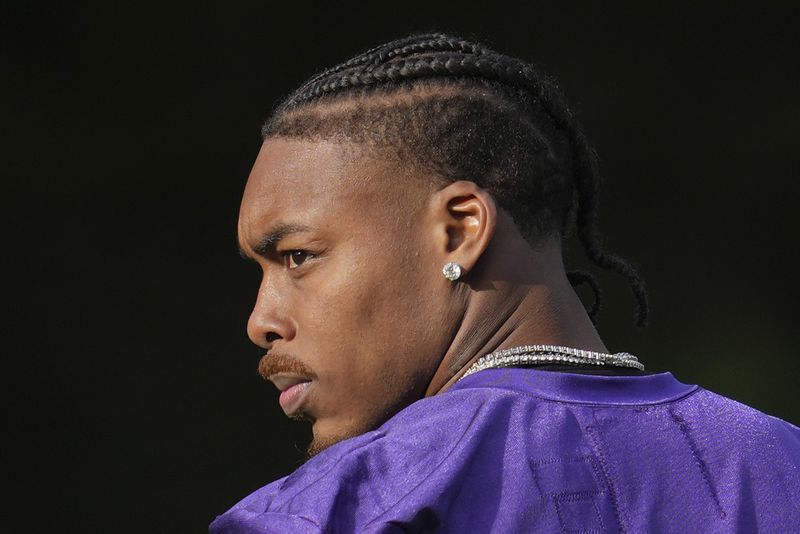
[{"x": 295, "y": 258}]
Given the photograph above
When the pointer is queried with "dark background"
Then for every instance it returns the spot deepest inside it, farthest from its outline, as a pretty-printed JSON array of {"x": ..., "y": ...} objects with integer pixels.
[{"x": 128, "y": 131}]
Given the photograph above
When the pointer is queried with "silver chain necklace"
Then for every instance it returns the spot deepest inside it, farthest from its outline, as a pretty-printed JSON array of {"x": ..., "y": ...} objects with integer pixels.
[{"x": 553, "y": 354}]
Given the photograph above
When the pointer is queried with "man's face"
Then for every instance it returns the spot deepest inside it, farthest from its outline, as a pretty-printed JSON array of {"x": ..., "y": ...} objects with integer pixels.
[{"x": 352, "y": 306}]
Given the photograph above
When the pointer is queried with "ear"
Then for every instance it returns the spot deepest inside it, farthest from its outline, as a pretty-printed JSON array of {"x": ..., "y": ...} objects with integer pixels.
[{"x": 465, "y": 217}]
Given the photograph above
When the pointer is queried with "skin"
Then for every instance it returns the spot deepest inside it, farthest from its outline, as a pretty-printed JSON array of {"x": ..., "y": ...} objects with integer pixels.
[{"x": 353, "y": 303}]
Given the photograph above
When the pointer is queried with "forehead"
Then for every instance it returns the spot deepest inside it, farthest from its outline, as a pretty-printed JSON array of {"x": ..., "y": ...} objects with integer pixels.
[{"x": 315, "y": 182}]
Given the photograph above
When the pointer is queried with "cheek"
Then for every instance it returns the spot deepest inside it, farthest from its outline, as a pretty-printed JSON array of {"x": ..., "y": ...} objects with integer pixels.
[
  {"x": 367, "y": 279},
  {"x": 365, "y": 306},
  {"x": 353, "y": 302},
  {"x": 396, "y": 308},
  {"x": 372, "y": 330}
]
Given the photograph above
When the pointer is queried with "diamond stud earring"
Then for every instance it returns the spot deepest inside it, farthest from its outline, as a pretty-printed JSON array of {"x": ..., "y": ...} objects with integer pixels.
[{"x": 451, "y": 271}]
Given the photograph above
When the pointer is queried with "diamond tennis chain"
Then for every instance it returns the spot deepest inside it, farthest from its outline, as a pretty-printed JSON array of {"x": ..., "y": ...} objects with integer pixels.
[{"x": 537, "y": 354}]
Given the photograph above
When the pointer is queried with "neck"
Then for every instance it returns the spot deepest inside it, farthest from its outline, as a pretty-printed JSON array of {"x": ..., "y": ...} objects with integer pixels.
[{"x": 529, "y": 302}]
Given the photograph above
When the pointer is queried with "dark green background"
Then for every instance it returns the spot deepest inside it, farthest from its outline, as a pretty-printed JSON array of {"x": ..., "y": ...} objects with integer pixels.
[{"x": 128, "y": 131}]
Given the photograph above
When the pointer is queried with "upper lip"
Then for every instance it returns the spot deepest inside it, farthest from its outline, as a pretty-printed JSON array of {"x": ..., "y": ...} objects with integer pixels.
[{"x": 284, "y": 381}]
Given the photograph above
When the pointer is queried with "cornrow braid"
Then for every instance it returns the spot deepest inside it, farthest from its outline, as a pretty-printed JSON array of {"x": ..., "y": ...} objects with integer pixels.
[
  {"x": 432, "y": 42},
  {"x": 524, "y": 139}
]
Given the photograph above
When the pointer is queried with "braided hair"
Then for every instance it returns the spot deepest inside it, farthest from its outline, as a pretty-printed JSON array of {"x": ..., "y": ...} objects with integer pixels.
[{"x": 462, "y": 111}]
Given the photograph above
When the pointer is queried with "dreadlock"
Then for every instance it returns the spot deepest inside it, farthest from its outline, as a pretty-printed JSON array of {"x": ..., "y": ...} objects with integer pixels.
[{"x": 466, "y": 112}]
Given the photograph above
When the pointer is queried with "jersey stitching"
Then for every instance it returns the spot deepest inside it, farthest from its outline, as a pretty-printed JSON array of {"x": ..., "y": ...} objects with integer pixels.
[
  {"x": 704, "y": 473},
  {"x": 602, "y": 471}
]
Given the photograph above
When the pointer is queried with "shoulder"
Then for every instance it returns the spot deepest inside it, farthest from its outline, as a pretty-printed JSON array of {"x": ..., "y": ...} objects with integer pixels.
[
  {"x": 740, "y": 420},
  {"x": 452, "y": 455},
  {"x": 404, "y": 451},
  {"x": 726, "y": 424},
  {"x": 419, "y": 451}
]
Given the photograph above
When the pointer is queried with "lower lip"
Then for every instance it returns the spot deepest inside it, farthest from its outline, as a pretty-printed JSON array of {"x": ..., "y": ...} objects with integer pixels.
[{"x": 292, "y": 398}]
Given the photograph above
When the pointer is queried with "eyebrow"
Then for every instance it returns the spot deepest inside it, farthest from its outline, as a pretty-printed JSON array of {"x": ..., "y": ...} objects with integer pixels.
[{"x": 271, "y": 239}]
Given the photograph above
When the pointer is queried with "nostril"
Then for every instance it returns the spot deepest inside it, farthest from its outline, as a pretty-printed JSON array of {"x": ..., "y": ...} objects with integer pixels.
[{"x": 272, "y": 336}]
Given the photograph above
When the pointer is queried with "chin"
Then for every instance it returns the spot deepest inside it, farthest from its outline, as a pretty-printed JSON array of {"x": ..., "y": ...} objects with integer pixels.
[
  {"x": 330, "y": 431},
  {"x": 321, "y": 439},
  {"x": 318, "y": 445}
]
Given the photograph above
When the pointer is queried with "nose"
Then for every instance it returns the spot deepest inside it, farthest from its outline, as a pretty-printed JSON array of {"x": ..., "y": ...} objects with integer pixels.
[{"x": 267, "y": 323}]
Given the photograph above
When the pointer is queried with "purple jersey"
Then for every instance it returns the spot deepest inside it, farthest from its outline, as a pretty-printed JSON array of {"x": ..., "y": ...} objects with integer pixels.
[{"x": 526, "y": 450}]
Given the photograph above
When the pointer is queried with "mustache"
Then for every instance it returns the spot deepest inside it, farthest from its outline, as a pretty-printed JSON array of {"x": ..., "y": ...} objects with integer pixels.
[{"x": 273, "y": 363}]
